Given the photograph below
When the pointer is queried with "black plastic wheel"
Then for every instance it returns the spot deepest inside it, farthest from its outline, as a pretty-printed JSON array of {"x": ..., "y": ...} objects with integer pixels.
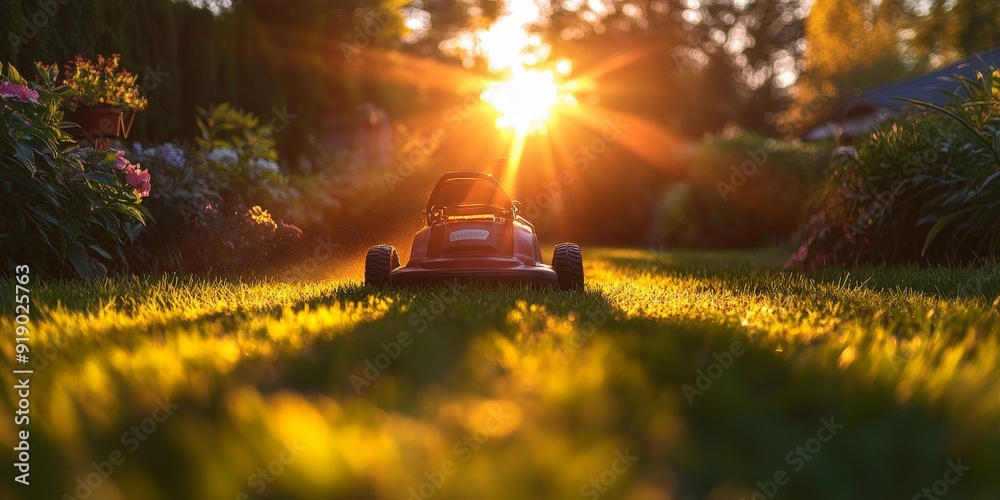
[
  {"x": 568, "y": 264},
  {"x": 379, "y": 262}
]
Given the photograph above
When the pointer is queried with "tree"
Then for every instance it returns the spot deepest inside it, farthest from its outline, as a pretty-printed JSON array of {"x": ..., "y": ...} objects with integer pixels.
[
  {"x": 758, "y": 42},
  {"x": 850, "y": 44},
  {"x": 950, "y": 29},
  {"x": 706, "y": 64}
]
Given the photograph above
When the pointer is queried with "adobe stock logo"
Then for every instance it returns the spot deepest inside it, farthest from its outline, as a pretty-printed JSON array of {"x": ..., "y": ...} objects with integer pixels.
[
  {"x": 463, "y": 449},
  {"x": 713, "y": 372},
  {"x": 740, "y": 174},
  {"x": 797, "y": 458},
  {"x": 600, "y": 484},
  {"x": 581, "y": 157},
  {"x": 365, "y": 34},
  {"x": 372, "y": 371},
  {"x": 939, "y": 488},
  {"x": 263, "y": 476},
  {"x": 88, "y": 485}
]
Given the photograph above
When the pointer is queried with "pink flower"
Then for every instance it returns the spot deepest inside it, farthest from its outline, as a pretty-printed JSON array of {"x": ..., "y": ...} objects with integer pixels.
[
  {"x": 122, "y": 164},
  {"x": 798, "y": 258},
  {"x": 139, "y": 179},
  {"x": 20, "y": 92}
]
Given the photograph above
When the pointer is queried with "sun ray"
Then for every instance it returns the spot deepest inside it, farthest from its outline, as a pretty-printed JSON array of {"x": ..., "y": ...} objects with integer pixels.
[
  {"x": 514, "y": 160},
  {"x": 641, "y": 136},
  {"x": 388, "y": 66},
  {"x": 620, "y": 60}
]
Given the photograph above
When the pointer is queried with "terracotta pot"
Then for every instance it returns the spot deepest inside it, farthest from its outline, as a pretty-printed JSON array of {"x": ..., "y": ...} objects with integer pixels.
[{"x": 101, "y": 122}]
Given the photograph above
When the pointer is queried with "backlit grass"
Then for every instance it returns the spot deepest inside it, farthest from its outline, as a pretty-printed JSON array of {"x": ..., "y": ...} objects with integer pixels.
[{"x": 514, "y": 393}]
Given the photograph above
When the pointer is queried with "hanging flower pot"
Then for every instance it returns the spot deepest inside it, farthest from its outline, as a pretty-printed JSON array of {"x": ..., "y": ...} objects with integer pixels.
[
  {"x": 101, "y": 122},
  {"x": 102, "y": 99}
]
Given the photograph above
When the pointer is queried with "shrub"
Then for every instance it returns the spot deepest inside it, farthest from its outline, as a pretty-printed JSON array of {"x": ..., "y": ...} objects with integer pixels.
[
  {"x": 239, "y": 156},
  {"x": 237, "y": 240},
  {"x": 923, "y": 188},
  {"x": 65, "y": 208},
  {"x": 334, "y": 187},
  {"x": 204, "y": 194},
  {"x": 179, "y": 205},
  {"x": 334, "y": 191},
  {"x": 740, "y": 193}
]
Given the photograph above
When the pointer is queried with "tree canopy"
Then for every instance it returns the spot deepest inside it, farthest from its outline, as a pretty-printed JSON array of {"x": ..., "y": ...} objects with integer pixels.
[{"x": 691, "y": 66}]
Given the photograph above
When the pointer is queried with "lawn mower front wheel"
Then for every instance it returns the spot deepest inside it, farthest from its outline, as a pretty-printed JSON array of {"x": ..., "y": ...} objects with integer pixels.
[{"x": 568, "y": 264}]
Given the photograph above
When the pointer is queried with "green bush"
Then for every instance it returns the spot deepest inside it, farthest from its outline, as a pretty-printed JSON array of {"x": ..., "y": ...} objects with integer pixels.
[
  {"x": 239, "y": 156},
  {"x": 65, "y": 209},
  {"x": 183, "y": 193},
  {"x": 923, "y": 188},
  {"x": 207, "y": 194},
  {"x": 740, "y": 193}
]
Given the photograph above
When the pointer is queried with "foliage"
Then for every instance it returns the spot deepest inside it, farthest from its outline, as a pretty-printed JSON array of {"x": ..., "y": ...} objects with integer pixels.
[
  {"x": 239, "y": 156},
  {"x": 901, "y": 357},
  {"x": 195, "y": 58},
  {"x": 187, "y": 57},
  {"x": 333, "y": 187},
  {"x": 102, "y": 82},
  {"x": 959, "y": 27},
  {"x": 322, "y": 196},
  {"x": 208, "y": 198},
  {"x": 923, "y": 188},
  {"x": 851, "y": 45},
  {"x": 740, "y": 193},
  {"x": 854, "y": 44},
  {"x": 64, "y": 208},
  {"x": 240, "y": 241},
  {"x": 858, "y": 45},
  {"x": 697, "y": 70},
  {"x": 183, "y": 194}
]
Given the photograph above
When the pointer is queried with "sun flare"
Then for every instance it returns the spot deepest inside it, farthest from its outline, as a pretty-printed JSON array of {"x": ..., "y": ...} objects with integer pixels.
[
  {"x": 523, "y": 102},
  {"x": 525, "y": 91}
]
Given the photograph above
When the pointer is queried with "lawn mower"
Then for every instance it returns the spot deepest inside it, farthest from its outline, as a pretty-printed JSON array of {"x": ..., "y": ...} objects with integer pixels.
[{"x": 475, "y": 232}]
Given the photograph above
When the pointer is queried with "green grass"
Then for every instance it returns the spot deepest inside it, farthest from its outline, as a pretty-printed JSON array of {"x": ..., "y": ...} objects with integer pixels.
[{"x": 551, "y": 384}]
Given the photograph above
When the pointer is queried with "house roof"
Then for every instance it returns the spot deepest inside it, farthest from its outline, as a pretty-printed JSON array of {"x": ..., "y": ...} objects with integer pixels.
[{"x": 862, "y": 108}]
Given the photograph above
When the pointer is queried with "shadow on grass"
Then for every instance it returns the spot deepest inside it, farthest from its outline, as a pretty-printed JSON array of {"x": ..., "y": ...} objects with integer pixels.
[
  {"x": 753, "y": 420},
  {"x": 423, "y": 339},
  {"x": 625, "y": 385}
]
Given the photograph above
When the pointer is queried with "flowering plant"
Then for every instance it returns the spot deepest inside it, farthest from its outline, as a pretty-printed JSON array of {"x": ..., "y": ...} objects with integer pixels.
[
  {"x": 920, "y": 188},
  {"x": 238, "y": 156},
  {"x": 114, "y": 166},
  {"x": 11, "y": 90},
  {"x": 241, "y": 238},
  {"x": 167, "y": 155},
  {"x": 94, "y": 83},
  {"x": 261, "y": 217},
  {"x": 202, "y": 196},
  {"x": 66, "y": 210},
  {"x": 134, "y": 176}
]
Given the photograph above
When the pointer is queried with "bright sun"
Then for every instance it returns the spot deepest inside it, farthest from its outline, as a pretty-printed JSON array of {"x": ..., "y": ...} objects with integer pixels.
[
  {"x": 523, "y": 102},
  {"x": 525, "y": 98}
]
